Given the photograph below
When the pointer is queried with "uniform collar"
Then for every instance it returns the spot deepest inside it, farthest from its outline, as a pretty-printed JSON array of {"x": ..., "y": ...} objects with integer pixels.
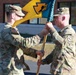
[{"x": 9, "y": 25}]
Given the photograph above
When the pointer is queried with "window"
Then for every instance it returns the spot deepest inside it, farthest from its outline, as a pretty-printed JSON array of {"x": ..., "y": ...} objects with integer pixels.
[
  {"x": 33, "y": 21},
  {"x": 73, "y": 13},
  {"x": 72, "y": 7},
  {"x": 5, "y": 9},
  {"x": 42, "y": 20},
  {"x": 38, "y": 21}
]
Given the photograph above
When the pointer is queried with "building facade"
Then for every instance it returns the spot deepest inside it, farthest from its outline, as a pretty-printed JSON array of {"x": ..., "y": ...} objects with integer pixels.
[{"x": 59, "y": 3}]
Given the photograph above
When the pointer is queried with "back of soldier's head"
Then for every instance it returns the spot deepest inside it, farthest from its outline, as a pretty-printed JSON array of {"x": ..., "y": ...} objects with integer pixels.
[{"x": 14, "y": 9}]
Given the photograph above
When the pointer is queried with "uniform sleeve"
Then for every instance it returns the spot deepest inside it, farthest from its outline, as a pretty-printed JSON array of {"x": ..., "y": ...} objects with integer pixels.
[
  {"x": 56, "y": 37},
  {"x": 12, "y": 36},
  {"x": 30, "y": 52}
]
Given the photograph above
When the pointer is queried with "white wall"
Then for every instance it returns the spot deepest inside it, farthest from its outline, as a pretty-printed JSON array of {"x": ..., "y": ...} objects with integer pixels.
[{"x": 28, "y": 28}]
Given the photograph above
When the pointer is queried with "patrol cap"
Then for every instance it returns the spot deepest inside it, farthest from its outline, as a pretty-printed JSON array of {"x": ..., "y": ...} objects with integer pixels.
[
  {"x": 17, "y": 10},
  {"x": 61, "y": 11}
]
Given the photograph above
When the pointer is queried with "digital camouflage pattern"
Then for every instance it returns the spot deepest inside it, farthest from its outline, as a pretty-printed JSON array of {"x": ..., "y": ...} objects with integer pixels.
[
  {"x": 63, "y": 57},
  {"x": 61, "y": 11},
  {"x": 12, "y": 48}
]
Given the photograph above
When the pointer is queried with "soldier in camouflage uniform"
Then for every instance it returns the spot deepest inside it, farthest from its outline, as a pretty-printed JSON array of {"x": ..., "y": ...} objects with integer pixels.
[
  {"x": 63, "y": 57},
  {"x": 12, "y": 45}
]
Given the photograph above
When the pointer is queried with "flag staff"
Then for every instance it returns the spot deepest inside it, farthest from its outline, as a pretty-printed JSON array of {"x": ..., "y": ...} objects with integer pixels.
[{"x": 49, "y": 18}]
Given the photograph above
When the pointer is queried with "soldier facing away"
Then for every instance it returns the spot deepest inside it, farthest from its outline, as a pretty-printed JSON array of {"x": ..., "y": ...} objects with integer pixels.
[
  {"x": 12, "y": 44},
  {"x": 63, "y": 57}
]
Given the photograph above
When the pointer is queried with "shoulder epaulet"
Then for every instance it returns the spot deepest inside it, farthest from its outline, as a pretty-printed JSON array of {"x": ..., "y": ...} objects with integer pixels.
[
  {"x": 69, "y": 31},
  {"x": 14, "y": 31}
]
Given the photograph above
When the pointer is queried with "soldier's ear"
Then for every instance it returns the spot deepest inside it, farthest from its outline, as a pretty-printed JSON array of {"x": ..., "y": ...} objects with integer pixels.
[{"x": 63, "y": 18}]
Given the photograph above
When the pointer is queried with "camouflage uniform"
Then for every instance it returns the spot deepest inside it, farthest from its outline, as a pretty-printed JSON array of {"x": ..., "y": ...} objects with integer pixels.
[
  {"x": 63, "y": 57},
  {"x": 12, "y": 46}
]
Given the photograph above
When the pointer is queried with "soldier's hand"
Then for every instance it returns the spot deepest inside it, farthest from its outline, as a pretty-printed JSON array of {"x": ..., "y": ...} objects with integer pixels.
[
  {"x": 40, "y": 53},
  {"x": 39, "y": 62},
  {"x": 49, "y": 26}
]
